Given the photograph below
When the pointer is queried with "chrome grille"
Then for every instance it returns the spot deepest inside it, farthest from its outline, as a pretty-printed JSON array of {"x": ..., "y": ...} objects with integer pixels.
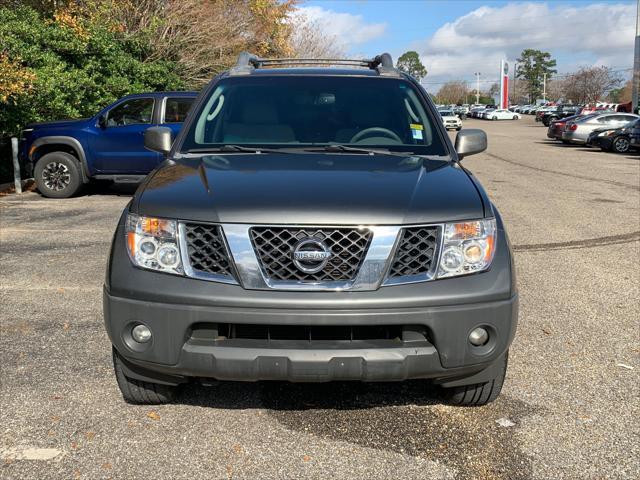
[
  {"x": 274, "y": 249},
  {"x": 206, "y": 249},
  {"x": 416, "y": 252}
]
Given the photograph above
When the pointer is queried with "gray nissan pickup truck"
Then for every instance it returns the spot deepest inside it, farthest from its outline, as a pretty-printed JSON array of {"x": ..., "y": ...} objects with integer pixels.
[{"x": 311, "y": 223}]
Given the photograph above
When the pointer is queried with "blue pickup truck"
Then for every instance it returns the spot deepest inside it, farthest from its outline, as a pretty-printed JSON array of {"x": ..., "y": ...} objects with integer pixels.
[{"x": 65, "y": 155}]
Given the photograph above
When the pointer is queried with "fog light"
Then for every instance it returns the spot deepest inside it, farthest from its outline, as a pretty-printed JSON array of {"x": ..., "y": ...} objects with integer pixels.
[
  {"x": 141, "y": 333},
  {"x": 478, "y": 337}
]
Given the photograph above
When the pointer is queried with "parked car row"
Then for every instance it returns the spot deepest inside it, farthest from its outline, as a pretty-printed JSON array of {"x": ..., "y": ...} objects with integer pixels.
[
  {"x": 460, "y": 110},
  {"x": 609, "y": 130},
  {"x": 491, "y": 113},
  {"x": 550, "y": 108}
]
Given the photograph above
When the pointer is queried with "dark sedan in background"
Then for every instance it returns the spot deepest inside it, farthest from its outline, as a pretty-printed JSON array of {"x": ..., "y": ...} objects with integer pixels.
[{"x": 616, "y": 140}]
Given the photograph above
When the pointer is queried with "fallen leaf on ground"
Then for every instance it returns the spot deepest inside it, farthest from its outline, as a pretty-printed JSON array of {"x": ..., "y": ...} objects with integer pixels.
[
  {"x": 153, "y": 415},
  {"x": 546, "y": 331},
  {"x": 306, "y": 458},
  {"x": 505, "y": 422}
]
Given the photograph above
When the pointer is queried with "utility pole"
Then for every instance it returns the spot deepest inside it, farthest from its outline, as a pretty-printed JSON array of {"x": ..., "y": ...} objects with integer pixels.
[
  {"x": 477, "y": 74},
  {"x": 513, "y": 88},
  {"x": 544, "y": 87},
  {"x": 635, "y": 84}
]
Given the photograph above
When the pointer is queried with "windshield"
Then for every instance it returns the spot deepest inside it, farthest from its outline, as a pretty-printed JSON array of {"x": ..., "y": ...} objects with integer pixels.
[{"x": 292, "y": 111}]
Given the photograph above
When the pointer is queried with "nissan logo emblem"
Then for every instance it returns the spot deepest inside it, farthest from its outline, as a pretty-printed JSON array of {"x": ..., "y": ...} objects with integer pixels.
[{"x": 311, "y": 255}]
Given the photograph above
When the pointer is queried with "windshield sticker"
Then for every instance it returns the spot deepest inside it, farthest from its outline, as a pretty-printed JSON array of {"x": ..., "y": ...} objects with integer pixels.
[{"x": 416, "y": 131}]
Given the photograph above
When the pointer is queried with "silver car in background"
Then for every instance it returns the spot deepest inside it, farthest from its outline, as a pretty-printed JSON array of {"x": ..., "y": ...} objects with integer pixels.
[{"x": 578, "y": 131}]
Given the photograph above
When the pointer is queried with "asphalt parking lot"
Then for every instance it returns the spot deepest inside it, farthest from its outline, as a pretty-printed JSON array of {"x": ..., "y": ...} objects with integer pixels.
[{"x": 569, "y": 408}]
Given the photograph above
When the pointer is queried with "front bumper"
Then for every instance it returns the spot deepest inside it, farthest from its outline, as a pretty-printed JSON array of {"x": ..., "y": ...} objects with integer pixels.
[
  {"x": 598, "y": 141},
  {"x": 178, "y": 351}
]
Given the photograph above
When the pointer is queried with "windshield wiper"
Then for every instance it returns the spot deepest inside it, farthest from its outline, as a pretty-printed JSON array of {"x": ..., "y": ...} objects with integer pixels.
[
  {"x": 236, "y": 148},
  {"x": 338, "y": 148}
]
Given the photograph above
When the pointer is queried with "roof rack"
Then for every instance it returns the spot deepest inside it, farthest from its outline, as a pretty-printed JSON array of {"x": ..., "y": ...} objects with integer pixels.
[{"x": 247, "y": 62}]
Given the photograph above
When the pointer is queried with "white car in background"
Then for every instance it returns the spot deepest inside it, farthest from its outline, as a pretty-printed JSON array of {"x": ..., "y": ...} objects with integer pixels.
[
  {"x": 486, "y": 113},
  {"x": 450, "y": 119},
  {"x": 502, "y": 114}
]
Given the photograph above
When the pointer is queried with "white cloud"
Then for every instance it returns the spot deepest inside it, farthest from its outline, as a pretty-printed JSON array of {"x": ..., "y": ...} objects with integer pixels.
[
  {"x": 347, "y": 29},
  {"x": 599, "y": 34}
]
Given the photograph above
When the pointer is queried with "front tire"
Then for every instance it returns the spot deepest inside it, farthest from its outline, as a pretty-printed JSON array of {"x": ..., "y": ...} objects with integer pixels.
[
  {"x": 515, "y": 117},
  {"x": 139, "y": 392},
  {"x": 494, "y": 118},
  {"x": 478, "y": 394},
  {"x": 57, "y": 175},
  {"x": 620, "y": 145},
  {"x": 458, "y": 129}
]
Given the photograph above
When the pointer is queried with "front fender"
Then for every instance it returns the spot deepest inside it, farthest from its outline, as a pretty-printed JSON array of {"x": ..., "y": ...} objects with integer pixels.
[{"x": 68, "y": 141}]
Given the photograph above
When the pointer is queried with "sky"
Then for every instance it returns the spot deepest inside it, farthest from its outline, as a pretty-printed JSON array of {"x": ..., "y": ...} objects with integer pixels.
[{"x": 456, "y": 38}]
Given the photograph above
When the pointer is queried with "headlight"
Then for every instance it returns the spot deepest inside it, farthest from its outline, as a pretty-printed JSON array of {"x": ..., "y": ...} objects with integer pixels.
[
  {"x": 153, "y": 243},
  {"x": 467, "y": 247}
]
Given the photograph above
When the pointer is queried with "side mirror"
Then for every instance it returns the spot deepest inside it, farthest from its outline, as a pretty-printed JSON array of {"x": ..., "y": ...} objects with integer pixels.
[
  {"x": 158, "y": 139},
  {"x": 470, "y": 142},
  {"x": 102, "y": 121}
]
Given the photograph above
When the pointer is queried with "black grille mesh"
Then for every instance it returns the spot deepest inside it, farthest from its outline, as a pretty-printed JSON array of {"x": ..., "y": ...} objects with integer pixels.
[
  {"x": 206, "y": 249},
  {"x": 416, "y": 252},
  {"x": 274, "y": 248}
]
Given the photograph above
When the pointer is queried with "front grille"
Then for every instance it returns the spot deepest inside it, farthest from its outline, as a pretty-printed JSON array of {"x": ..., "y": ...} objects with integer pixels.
[
  {"x": 274, "y": 248},
  {"x": 206, "y": 249},
  {"x": 416, "y": 250}
]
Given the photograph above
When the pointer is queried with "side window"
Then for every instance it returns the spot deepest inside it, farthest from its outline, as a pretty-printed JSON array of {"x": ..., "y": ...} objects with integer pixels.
[
  {"x": 176, "y": 109},
  {"x": 132, "y": 112},
  {"x": 619, "y": 119}
]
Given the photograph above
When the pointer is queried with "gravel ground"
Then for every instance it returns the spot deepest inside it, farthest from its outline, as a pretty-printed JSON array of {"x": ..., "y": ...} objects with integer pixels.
[{"x": 569, "y": 408}]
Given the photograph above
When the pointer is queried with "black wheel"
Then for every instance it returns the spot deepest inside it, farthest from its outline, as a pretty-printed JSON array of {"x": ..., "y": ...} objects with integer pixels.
[
  {"x": 515, "y": 117},
  {"x": 57, "y": 175},
  {"x": 620, "y": 145},
  {"x": 458, "y": 129},
  {"x": 138, "y": 391},
  {"x": 494, "y": 118},
  {"x": 478, "y": 394}
]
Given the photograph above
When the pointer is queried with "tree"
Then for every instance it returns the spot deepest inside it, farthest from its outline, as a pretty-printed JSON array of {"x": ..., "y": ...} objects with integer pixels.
[
  {"x": 453, "y": 92},
  {"x": 202, "y": 37},
  {"x": 590, "y": 84},
  {"x": 532, "y": 67},
  {"x": 519, "y": 92},
  {"x": 409, "y": 62},
  {"x": 309, "y": 40},
  {"x": 620, "y": 95}
]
